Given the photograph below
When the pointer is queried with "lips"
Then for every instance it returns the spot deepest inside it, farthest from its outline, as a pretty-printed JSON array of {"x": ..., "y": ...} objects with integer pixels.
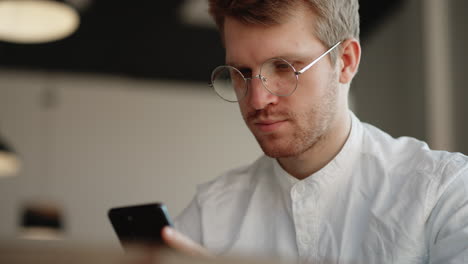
[{"x": 268, "y": 126}]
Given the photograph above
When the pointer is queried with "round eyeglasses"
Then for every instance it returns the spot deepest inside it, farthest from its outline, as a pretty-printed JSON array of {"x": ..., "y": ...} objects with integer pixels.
[{"x": 277, "y": 75}]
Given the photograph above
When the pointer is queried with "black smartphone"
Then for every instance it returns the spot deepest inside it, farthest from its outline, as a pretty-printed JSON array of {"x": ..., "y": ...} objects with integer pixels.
[{"x": 140, "y": 224}]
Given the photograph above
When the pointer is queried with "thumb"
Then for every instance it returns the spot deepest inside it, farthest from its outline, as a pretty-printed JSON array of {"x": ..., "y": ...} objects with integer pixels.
[{"x": 182, "y": 243}]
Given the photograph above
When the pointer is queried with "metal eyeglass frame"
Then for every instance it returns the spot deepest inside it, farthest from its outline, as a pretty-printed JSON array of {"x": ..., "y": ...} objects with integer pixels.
[{"x": 263, "y": 79}]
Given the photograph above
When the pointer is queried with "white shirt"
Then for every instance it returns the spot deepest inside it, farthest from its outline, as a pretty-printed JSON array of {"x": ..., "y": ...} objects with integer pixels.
[{"x": 380, "y": 200}]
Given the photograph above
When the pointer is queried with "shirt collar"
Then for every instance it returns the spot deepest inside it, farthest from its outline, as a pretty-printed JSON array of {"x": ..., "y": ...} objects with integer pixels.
[{"x": 340, "y": 166}]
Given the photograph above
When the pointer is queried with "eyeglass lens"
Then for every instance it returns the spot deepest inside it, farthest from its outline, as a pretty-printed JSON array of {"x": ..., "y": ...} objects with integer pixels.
[
  {"x": 277, "y": 76},
  {"x": 229, "y": 83}
]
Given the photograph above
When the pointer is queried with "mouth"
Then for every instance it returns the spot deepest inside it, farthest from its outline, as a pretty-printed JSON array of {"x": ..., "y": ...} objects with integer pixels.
[{"x": 269, "y": 126}]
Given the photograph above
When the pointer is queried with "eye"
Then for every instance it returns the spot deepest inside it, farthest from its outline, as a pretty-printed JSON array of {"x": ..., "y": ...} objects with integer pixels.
[
  {"x": 246, "y": 72},
  {"x": 282, "y": 66}
]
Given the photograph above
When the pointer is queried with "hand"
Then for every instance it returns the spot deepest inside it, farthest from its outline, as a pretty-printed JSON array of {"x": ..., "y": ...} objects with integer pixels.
[{"x": 182, "y": 243}]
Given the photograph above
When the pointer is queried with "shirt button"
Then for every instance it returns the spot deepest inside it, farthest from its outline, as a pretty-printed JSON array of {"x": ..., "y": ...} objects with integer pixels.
[
  {"x": 300, "y": 188},
  {"x": 305, "y": 239}
]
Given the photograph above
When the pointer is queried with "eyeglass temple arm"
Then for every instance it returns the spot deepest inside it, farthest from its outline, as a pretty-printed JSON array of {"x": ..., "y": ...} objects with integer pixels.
[{"x": 317, "y": 59}]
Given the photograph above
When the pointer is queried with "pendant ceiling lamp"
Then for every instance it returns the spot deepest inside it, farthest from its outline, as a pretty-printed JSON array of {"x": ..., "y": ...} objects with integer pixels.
[
  {"x": 36, "y": 21},
  {"x": 9, "y": 162}
]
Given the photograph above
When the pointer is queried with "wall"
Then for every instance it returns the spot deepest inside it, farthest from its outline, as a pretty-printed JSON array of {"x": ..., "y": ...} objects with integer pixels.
[
  {"x": 459, "y": 52},
  {"x": 93, "y": 142},
  {"x": 389, "y": 88}
]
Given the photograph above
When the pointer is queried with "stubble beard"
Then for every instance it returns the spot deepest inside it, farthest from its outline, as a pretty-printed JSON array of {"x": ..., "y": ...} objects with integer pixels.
[{"x": 309, "y": 127}]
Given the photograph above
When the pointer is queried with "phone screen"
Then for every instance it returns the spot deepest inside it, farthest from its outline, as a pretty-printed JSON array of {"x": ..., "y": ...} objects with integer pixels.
[{"x": 140, "y": 224}]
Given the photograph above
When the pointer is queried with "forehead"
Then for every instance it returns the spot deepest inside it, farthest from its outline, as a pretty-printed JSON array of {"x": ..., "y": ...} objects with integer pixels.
[{"x": 252, "y": 44}]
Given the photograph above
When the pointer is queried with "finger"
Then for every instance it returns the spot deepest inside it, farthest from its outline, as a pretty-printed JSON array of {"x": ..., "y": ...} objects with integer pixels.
[{"x": 182, "y": 243}]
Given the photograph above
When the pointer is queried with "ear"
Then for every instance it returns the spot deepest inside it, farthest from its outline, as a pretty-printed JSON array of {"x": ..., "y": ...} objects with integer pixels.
[{"x": 349, "y": 60}]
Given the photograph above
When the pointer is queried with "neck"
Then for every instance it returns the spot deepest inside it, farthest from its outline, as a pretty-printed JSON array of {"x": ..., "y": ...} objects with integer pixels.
[{"x": 322, "y": 152}]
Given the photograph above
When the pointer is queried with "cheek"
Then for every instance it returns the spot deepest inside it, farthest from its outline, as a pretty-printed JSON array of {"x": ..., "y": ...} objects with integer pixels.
[
  {"x": 315, "y": 84},
  {"x": 308, "y": 89},
  {"x": 243, "y": 108}
]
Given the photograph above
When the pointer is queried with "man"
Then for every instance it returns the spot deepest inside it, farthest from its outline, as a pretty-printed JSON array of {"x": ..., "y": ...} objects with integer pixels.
[{"x": 329, "y": 187}]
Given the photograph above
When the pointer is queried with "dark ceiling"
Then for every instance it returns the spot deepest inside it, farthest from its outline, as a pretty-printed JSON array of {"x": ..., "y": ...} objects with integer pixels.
[{"x": 145, "y": 39}]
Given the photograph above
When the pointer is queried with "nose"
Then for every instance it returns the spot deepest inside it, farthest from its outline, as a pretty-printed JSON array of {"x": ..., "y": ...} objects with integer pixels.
[{"x": 259, "y": 97}]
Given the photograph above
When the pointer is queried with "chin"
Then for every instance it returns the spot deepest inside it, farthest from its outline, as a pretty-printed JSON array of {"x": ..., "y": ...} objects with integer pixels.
[
  {"x": 278, "y": 153},
  {"x": 286, "y": 146},
  {"x": 277, "y": 149}
]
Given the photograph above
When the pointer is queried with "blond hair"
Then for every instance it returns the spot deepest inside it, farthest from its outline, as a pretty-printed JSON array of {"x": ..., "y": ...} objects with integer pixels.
[{"x": 337, "y": 20}]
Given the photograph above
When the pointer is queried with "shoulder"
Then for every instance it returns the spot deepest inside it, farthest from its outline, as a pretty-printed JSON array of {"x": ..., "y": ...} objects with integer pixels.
[
  {"x": 389, "y": 149},
  {"x": 235, "y": 182},
  {"x": 448, "y": 178},
  {"x": 410, "y": 153},
  {"x": 217, "y": 198},
  {"x": 407, "y": 160}
]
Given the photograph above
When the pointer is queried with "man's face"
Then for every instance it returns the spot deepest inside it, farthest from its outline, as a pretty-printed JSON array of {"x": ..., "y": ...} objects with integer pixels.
[{"x": 285, "y": 126}]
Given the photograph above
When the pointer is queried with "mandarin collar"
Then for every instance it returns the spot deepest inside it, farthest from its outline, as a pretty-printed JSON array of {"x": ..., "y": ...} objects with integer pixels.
[{"x": 339, "y": 167}]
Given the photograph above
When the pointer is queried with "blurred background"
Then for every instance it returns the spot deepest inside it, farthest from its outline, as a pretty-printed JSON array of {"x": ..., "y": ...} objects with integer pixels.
[{"x": 114, "y": 108}]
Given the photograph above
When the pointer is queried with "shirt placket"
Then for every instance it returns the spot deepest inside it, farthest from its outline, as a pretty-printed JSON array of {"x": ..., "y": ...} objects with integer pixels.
[{"x": 306, "y": 220}]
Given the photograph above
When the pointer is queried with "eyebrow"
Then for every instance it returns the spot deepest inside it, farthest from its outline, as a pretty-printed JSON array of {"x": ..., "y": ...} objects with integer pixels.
[
  {"x": 290, "y": 58},
  {"x": 298, "y": 57},
  {"x": 234, "y": 64}
]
